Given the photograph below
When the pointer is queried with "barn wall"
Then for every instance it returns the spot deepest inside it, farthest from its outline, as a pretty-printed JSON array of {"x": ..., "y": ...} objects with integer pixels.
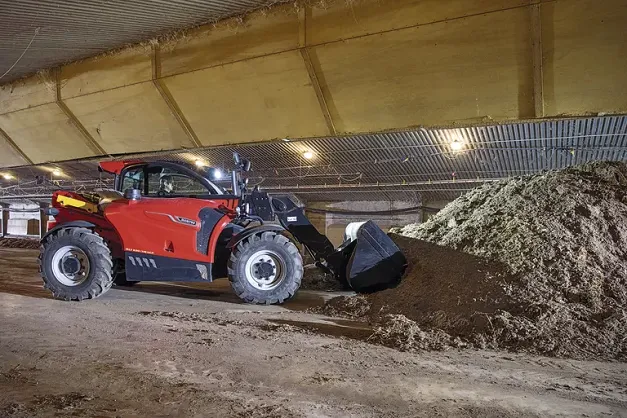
[{"x": 366, "y": 66}]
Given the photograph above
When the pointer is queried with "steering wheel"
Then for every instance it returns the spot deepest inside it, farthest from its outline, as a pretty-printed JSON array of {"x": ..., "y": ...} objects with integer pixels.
[{"x": 161, "y": 193}]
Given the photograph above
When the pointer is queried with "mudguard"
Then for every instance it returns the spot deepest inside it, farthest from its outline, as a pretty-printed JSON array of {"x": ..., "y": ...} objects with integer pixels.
[
  {"x": 236, "y": 239},
  {"x": 73, "y": 224}
]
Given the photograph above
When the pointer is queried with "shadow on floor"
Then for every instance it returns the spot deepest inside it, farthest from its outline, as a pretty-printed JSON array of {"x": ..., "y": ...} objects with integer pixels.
[{"x": 221, "y": 291}]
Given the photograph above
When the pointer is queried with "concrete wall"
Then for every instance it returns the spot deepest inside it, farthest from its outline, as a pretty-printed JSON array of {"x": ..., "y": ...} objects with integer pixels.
[
  {"x": 351, "y": 67},
  {"x": 333, "y": 225},
  {"x": 22, "y": 220}
]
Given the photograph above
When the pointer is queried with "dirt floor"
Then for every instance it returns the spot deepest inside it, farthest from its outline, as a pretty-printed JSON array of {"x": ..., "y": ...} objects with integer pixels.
[{"x": 161, "y": 350}]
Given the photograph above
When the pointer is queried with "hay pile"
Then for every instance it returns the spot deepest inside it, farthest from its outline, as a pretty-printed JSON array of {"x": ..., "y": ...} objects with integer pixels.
[{"x": 547, "y": 271}]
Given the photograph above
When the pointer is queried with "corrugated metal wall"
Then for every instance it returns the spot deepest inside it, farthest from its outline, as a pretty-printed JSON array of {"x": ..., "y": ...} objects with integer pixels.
[{"x": 408, "y": 165}]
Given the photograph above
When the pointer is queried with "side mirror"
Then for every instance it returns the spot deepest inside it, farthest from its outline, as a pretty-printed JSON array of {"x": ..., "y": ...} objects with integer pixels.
[
  {"x": 132, "y": 194},
  {"x": 246, "y": 165},
  {"x": 236, "y": 158}
]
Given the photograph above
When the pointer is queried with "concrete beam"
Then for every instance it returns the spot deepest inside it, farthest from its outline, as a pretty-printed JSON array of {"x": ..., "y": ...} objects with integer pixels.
[
  {"x": 163, "y": 90},
  {"x": 5, "y": 158},
  {"x": 89, "y": 140},
  {"x": 322, "y": 101},
  {"x": 304, "y": 13}
]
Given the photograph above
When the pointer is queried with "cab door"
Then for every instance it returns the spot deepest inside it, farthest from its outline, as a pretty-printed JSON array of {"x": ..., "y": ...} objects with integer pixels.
[{"x": 167, "y": 237}]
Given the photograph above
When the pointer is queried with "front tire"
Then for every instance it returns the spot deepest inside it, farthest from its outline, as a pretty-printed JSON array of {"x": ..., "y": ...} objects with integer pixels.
[
  {"x": 265, "y": 268},
  {"x": 75, "y": 264}
]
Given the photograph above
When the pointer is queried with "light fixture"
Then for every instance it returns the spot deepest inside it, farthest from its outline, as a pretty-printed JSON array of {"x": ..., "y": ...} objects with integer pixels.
[
  {"x": 217, "y": 174},
  {"x": 199, "y": 163},
  {"x": 308, "y": 155},
  {"x": 7, "y": 176},
  {"x": 286, "y": 140},
  {"x": 457, "y": 145},
  {"x": 56, "y": 172}
]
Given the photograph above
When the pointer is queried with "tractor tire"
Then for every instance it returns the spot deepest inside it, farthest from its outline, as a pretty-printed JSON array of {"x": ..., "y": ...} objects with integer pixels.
[
  {"x": 75, "y": 264},
  {"x": 265, "y": 268}
]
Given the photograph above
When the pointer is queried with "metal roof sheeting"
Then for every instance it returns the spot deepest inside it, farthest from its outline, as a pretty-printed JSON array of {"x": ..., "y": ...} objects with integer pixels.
[
  {"x": 62, "y": 31},
  {"x": 412, "y": 165}
]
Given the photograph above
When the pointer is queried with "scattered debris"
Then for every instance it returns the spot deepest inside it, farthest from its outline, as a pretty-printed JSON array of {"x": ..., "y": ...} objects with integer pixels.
[
  {"x": 191, "y": 317},
  {"x": 400, "y": 332},
  {"x": 63, "y": 401},
  {"x": 344, "y": 307},
  {"x": 316, "y": 279},
  {"x": 31, "y": 244}
]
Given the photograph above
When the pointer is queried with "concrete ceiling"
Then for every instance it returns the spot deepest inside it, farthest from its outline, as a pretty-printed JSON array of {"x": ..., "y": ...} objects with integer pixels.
[
  {"x": 53, "y": 32},
  {"x": 333, "y": 68}
]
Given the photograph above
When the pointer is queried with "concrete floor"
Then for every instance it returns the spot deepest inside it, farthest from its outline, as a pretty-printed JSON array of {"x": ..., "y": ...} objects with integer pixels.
[{"x": 195, "y": 351}]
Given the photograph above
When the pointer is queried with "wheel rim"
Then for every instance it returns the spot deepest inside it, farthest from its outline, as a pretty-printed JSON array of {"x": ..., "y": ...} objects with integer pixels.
[
  {"x": 70, "y": 265},
  {"x": 265, "y": 270}
]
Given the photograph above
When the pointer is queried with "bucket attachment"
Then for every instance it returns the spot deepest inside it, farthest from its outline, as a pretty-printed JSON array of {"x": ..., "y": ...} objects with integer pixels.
[
  {"x": 367, "y": 261},
  {"x": 372, "y": 261}
]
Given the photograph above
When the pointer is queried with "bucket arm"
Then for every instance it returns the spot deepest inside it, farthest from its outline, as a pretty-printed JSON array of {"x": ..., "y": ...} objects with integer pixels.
[{"x": 370, "y": 262}]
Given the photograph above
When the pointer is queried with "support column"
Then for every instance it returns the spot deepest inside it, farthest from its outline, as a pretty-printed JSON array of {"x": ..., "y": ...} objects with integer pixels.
[
  {"x": 538, "y": 74},
  {"x": 313, "y": 76}
]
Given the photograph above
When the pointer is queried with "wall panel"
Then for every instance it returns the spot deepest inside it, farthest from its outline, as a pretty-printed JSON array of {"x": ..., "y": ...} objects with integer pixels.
[
  {"x": 262, "y": 33},
  {"x": 44, "y": 133},
  {"x": 129, "y": 119},
  {"x": 462, "y": 71},
  {"x": 250, "y": 101},
  {"x": 585, "y": 56}
]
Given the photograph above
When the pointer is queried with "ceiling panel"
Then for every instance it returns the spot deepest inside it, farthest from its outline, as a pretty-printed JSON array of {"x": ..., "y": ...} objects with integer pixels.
[{"x": 53, "y": 32}]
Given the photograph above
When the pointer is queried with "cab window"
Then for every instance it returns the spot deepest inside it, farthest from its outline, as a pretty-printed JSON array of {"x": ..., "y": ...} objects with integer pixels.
[
  {"x": 165, "y": 182},
  {"x": 133, "y": 179}
]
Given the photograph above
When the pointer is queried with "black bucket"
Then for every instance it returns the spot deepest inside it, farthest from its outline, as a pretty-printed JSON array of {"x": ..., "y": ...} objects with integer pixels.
[{"x": 375, "y": 262}]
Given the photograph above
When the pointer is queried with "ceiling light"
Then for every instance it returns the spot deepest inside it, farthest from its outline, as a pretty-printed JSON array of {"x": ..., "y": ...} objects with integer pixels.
[
  {"x": 56, "y": 172},
  {"x": 199, "y": 163},
  {"x": 457, "y": 145},
  {"x": 7, "y": 176},
  {"x": 308, "y": 155},
  {"x": 285, "y": 140},
  {"x": 217, "y": 174}
]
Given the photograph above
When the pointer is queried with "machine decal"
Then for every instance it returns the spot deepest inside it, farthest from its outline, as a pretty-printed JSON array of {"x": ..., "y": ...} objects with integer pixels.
[
  {"x": 156, "y": 268},
  {"x": 186, "y": 221},
  {"x": 177, "y": 219},
  {"x": 138, "y": 251}
]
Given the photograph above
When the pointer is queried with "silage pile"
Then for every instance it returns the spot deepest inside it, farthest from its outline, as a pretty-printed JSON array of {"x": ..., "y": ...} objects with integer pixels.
[{"x": 535, "y": 264}]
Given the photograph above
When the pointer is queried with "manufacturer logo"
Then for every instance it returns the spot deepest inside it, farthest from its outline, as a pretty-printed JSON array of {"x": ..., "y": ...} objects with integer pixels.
[
  {"x": 186, "y": 221},
  {"x": 292, "y": 218}
]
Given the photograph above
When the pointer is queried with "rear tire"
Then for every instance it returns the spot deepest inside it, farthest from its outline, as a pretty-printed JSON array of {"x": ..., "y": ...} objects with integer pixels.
[
  {"x": 75, "y": 264},
  {"x": 265, "y": 268}
]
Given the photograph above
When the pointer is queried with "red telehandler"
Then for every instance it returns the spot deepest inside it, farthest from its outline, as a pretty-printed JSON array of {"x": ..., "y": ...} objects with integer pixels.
[{"x": 167, "y": 221}]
